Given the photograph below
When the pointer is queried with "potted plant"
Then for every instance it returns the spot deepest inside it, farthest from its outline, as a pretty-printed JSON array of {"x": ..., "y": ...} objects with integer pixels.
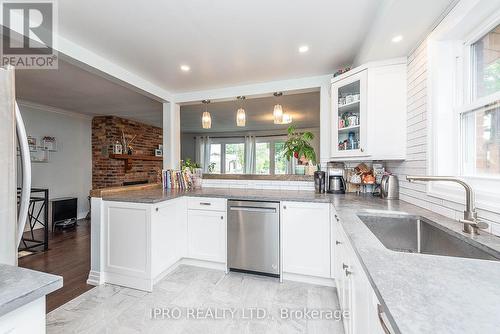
[{"x": 298, "y": 146}]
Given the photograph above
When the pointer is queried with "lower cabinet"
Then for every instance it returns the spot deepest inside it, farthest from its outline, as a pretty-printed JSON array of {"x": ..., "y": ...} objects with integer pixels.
[
  {"x": 306, "y": 238},
  {"x": 356, "y": 295},
  {"x": 206, "y": 235}
]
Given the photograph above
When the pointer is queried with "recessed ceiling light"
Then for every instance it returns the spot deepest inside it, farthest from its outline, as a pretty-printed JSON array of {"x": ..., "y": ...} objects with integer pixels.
[
  {"x": 303, "y": 49},
  {"x": 185, "y": 68},
  {"x": 397, "y": 39}
]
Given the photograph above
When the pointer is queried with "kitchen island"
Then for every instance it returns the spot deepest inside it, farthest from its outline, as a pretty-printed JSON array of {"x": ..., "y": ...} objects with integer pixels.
[
  {"x": 417, "y": 293},
  {"x": 22, "y": 298}
]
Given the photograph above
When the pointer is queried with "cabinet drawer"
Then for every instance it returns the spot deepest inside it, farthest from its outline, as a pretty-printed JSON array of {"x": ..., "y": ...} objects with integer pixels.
[{"x": 207, "y": 203}]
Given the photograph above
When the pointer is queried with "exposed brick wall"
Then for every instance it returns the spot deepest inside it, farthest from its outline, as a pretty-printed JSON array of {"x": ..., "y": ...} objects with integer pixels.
[{"x": 107, "y": 172}]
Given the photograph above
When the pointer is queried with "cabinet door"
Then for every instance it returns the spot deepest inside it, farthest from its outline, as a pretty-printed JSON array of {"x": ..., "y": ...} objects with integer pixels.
[
  {"x": 306, "y": 238},
  {"x": 207, "y": 235},
  {"x": 167, "y": 229},
  {"x": 349, "y": 120}
]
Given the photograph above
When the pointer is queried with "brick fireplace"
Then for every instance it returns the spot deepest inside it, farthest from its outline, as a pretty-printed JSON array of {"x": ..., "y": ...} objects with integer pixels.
[{"x": 109, "y": 172}]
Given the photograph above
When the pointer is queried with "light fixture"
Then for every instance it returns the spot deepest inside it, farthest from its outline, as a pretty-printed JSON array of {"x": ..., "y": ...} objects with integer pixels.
[
  {"x": 287, "y": 118},
  {"x": 278, "y": 110},
  {"x": 240, "y": 114},
  {"x": 303, "y": 48},
  {"x": 206, "y": 119},
  {"x": 185, "y": 68},
  {"x": 397, "y": 39}
]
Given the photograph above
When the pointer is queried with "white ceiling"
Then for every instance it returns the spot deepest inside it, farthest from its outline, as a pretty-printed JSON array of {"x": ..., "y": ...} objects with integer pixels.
[
  {"x": 303, "y": 107},
  {"x": 233, "y": 42},
  {"x": 74, "y": 89}
]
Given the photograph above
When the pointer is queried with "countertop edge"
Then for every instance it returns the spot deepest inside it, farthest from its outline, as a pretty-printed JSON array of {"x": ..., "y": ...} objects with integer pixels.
[{"x": 31, "y": 295}]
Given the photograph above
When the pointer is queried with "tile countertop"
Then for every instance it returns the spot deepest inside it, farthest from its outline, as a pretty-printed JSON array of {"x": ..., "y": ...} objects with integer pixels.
[
  {"x": 422, "y": 293},
  {"x": 20, "y": 286}
]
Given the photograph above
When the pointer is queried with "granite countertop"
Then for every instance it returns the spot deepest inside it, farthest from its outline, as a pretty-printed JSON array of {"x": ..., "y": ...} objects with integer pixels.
[
  {"x": 159, "y": 195},
  {"x": 426, "y": 293},
  {"x": 20, "y": 286},
  {"x": 421, "y": 293}
]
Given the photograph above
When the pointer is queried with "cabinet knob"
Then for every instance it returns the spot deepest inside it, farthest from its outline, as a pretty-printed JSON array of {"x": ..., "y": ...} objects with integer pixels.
[
  {"x": 344, "y": 266},
  {"x": 337, "y": 242},
  {"x": 337, "y": 218},
  {"x": 157, "y": 209},
  {"x": 347, "y": 273},
  {"x": 284, "y": 207},
  {"x": 361, "y": 149},
  {"x": 222, "y": 217}
]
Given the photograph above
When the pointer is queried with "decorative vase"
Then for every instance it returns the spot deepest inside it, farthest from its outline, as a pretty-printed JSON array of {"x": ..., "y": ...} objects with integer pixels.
[{"x": 300, "y": 170}]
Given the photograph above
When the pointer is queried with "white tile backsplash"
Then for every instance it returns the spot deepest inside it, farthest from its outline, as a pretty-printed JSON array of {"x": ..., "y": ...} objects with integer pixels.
[{"x": 259, "y": 184}]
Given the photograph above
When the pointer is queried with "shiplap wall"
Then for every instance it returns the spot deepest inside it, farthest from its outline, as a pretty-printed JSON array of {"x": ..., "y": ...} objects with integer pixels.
[{"x": 417, "y": 155}]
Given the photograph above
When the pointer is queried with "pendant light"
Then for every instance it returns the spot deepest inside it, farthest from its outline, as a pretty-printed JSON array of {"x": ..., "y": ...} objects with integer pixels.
[
  {"x": 206, "y": 119},
  {"x": 240, "y": 114},
  {"x": 278, "y": 110},
  {"x": 287, "y": 118}
]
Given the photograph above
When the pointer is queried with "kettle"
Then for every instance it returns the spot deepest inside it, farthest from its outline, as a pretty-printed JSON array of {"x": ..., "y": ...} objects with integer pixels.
[{"x": 389, "y": 187}]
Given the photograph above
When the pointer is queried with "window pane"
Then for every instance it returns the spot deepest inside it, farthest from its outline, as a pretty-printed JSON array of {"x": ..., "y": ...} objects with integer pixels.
[
  {"x": 486, "y": 54},
  {"x": 481, "y": 133},
  {"x": 215, "y": 156},
  {"x": 280, "y": 162},
  {"x": 235, "y": 160},
  {"x": 262, "y": 153}
]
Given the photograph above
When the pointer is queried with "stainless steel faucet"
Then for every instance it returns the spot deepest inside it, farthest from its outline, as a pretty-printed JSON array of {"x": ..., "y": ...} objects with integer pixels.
[{"x": 470, "y": 221}]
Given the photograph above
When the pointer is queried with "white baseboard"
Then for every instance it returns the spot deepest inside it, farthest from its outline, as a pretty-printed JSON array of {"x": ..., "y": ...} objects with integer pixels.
[
  {"x": 203, "y": 264},
  {"x": 95, "y": 278},
  {"x": 142, "y": 284},
  {"x": 309, "y": 279}
]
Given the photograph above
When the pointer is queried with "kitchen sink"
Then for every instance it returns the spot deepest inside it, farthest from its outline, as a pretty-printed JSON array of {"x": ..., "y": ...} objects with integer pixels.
[{"x": 413, "y": 234}]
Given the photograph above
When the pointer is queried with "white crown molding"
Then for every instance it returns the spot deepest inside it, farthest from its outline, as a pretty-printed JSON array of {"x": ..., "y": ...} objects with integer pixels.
[{"x": 42, "y": 107}]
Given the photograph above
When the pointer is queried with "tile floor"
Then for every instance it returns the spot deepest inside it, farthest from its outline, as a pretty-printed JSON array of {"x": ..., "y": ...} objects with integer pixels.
[{"x": 189, "y": 290}]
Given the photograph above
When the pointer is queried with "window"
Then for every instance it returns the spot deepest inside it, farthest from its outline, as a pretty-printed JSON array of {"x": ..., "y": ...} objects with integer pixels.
[
  {"x": 215, "y": 158},
  {"x": 481, "y": 141},
  {"x": 262, "y": 158},
  {"x": 228, "y": 156},
  {"x": 235, "y": 158},
  {"x": 480, "y": 116},
  {"x": 486, "y": 64},
  {"x": 280, "y": 162},
  {"x": 463, "y": 110}
]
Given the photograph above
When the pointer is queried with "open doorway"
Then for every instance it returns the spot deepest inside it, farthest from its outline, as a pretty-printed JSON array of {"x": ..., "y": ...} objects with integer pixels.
[{"x": 69, "y": 113}]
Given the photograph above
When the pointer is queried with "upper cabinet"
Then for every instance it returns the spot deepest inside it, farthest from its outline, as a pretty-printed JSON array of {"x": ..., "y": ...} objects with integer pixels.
[{"x": 369, "y": 112}]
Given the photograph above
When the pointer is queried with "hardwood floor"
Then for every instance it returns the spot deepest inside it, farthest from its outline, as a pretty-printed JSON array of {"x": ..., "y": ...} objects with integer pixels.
[{"x": 69, "y": 257}]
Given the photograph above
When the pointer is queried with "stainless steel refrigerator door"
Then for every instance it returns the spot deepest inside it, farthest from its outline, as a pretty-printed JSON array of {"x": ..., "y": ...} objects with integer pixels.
[
  {"x": 8, "y": 184},
  {"x": 253, "y": 236}
]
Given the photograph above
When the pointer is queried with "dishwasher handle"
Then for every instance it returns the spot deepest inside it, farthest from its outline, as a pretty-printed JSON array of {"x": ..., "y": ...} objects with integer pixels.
[{"x": 252, "y": 209}]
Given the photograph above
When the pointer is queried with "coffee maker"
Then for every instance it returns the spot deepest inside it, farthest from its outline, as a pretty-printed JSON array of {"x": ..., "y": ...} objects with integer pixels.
[{"x": 336, "y": 177}]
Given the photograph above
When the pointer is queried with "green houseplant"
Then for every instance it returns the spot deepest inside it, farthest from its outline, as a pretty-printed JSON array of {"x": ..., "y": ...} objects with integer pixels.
[{"x": 298, "y": 145}]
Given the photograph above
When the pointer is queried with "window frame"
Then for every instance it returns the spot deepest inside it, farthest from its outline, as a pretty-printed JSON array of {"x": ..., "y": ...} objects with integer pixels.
[
  {"x": 223, "y": 142},
  {"x": 272, "y": 140},
  {"x": 449, "y": 46}
]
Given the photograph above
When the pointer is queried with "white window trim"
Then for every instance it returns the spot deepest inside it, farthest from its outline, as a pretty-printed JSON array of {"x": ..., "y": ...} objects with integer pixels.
[
  {"x": 223, "y": 142},
  {"x": 458, "y": 99},
  {"x": 272, "y": 153}
]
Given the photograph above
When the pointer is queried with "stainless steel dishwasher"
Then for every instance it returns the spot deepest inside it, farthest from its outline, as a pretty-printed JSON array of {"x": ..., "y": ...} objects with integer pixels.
[{"x": 253, "y": 242}]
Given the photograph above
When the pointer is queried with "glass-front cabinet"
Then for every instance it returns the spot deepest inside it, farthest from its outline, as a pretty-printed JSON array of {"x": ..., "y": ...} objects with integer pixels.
[{"x": 349, "y": 119}]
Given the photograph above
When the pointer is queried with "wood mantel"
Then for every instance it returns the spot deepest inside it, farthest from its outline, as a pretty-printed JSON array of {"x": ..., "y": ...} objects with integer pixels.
[{"x": 129, "y": 158}]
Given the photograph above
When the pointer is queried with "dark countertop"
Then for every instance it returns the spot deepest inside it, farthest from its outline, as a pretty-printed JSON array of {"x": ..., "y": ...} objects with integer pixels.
[
  {"x": 421, "y": 293},
  {"x": 20, "y": 286}
]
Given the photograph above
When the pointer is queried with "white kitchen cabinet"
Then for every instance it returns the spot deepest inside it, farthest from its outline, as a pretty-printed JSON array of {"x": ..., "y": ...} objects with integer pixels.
[
  {"x": 207, "y": 233},
  {"x": 366, "y": 101},
  {"x": 168, "y": 234},
  {"x": 353, "y": 288},
  {"x": 306, "y": 238},
  {"x": 141, "y": 241}
]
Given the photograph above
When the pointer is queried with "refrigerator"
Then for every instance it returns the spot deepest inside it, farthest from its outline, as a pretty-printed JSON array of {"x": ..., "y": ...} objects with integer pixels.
[{"x": 13, "y": 143}]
